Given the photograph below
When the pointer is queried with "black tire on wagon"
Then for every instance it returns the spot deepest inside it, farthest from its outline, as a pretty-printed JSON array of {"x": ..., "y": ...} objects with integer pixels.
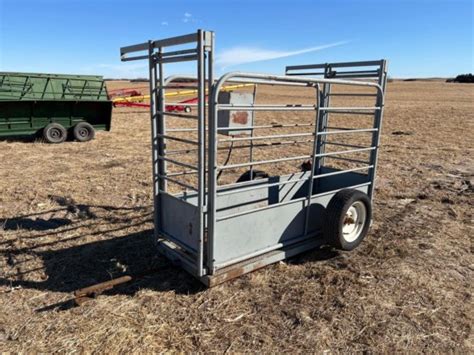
[
  {"x": 54, "y": 133},
  {"x": 83, "y": 132},
  {"x": 348, "y": 219}
]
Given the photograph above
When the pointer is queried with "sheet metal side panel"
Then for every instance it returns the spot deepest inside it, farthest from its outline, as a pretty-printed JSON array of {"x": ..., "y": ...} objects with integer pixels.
[
  {"x": 180, "y": 220},
  {"x": 249, "y": 233}
]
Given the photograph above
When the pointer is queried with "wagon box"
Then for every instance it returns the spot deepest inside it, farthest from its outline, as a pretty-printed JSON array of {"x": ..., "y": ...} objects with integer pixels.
[{"x": 54, "y": 105}]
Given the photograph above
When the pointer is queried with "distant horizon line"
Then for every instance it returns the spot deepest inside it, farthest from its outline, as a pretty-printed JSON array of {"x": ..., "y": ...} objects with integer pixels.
[{"x": 390, "y": 77}]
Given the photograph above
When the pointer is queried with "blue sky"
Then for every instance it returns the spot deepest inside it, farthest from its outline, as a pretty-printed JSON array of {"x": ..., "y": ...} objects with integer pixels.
[{"x": 420, "y": 38}]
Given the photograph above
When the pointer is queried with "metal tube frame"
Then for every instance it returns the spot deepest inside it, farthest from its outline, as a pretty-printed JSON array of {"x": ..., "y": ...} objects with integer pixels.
[
  {"x": 207, "y": 130},
  {"x": 215, "y": 107},
  {"x": 157, "y": 57}
]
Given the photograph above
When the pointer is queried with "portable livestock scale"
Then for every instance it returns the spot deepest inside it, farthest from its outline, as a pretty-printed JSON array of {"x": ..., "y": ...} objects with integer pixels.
[{"x": 221, "y": 231}]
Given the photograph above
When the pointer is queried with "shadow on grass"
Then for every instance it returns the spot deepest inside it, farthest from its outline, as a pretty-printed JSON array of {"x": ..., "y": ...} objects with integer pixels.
[
  {"x": 21, "y": 139},
  {"x": 75, "y": 267},
  {"x": 37, "y": 224},
  {"x": 69, "y": 264}
]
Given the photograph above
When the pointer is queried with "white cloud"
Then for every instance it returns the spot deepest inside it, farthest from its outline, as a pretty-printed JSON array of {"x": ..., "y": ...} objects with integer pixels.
[
  {"x": 241, "y": 55},
  {"x": 164, "y": 23},
  {"x": 187, "y": 17}
]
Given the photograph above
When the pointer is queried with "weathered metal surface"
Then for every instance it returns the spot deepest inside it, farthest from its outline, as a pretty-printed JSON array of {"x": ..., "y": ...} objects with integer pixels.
[
  {"x": 235, "y": 119},
  {"x": 62, "y": 87},
  {"x": 255, "y": 263}
]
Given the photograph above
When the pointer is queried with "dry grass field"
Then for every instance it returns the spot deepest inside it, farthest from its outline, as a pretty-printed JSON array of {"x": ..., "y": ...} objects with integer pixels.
[{"x": 75, "y": 214}]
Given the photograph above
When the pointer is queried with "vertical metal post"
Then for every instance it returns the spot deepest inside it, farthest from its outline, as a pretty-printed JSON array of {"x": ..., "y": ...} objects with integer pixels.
[
  {"x": 314, "y": 160},
  {"x": 154, "y": 138},
  {"x": 210, "y": 81},
  {"x": 212, "y": 174},
  {"x": 161, "y": 121},
  {"x": 252, "y": 131},
  {"x": 325, "y": 102},
  {"x": 377, "y": 124},
  {"x": 201, "y": 129}
]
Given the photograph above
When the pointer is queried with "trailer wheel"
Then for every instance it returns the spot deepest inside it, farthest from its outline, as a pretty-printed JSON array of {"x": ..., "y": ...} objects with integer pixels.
[
  {"x": 83, "y": 132},
  {"x": 348, "y": 219},
  {"x": 187, "y": 109},
  {"x": 54, "y": 133},
  {"x": 254, "y": 175}
]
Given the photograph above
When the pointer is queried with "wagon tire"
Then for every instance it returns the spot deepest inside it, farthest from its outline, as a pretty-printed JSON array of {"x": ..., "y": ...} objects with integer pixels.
[
  {"x": 54, "y": 133},
  {"x": 348, "y": 219},
  {"x": 83, "y": 132}
]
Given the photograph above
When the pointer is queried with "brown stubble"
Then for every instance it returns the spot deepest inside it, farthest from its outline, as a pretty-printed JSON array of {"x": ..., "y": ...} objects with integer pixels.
[{"x": 75, "y": 214}]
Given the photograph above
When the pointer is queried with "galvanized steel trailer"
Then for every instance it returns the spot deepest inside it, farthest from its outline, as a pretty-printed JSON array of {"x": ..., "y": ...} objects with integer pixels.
[
  {"x": 53, "y": 104},
  {"x": 220, "y": 231}
]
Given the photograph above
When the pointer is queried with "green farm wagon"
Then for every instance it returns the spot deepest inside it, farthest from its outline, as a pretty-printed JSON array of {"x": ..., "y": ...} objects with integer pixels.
[{"x": 54, "y": 106}]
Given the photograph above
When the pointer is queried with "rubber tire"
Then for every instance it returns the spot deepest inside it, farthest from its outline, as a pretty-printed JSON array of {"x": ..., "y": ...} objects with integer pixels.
[
  {"x": 78, "y": 130},
  {"x": 187, "y": 109},
  {"x": 336, "y": 211},
  {"x": 257, "y": 174},
  {"x": 50, "y": 129}
]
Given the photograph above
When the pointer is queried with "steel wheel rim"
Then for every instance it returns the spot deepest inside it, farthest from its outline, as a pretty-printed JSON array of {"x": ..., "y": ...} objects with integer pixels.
[
  {"x": 83, "y": 132},
  {"x": 55, "y": 133},
  {"x": 354, "y": 221}
]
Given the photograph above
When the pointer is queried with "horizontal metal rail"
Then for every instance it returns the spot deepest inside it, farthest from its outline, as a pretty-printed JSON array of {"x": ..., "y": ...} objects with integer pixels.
[
  {"x": 335, "y": 109},
  {"x": 276, "y": 125},
  {"x": 354, "y": 76},
  {"x": 258, "y": 145},
  {"x": 365, "y": 63},
  {"x": 180, "y": 52},
  {"x": 342, "y": 112},
  {"x": 296, "y": 200},
  {"x": 173, "y": 41},
  {"x": 337, "y": 75},
  {"x": 263, "y": 162},
  {"x": 177, "y": 59},
  {"x": 351, "y": 94},
  {"x": 345, "y": 152},
  {"x": 264, "y": 185},
  {"x": 256, "y": 138},
  {"x": 187, "y": 172},
  {"x": 306, "y": 73},
  {"x": 343, "y": 144},
  {"x": 348, "y": 159},
  {"x": 287, "y": 81},
  {"x": 138, "y": 57},
  {"x": 345, "y": 131},
  {"x": 174, "y": 114},
  {"x": 375, "y": 71},
  {"x": 177, "y": 162},
  {"x": 182, "y": 140},
  {"x": 167, "y": 177},
  {"x": 227, "y": 107}
]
